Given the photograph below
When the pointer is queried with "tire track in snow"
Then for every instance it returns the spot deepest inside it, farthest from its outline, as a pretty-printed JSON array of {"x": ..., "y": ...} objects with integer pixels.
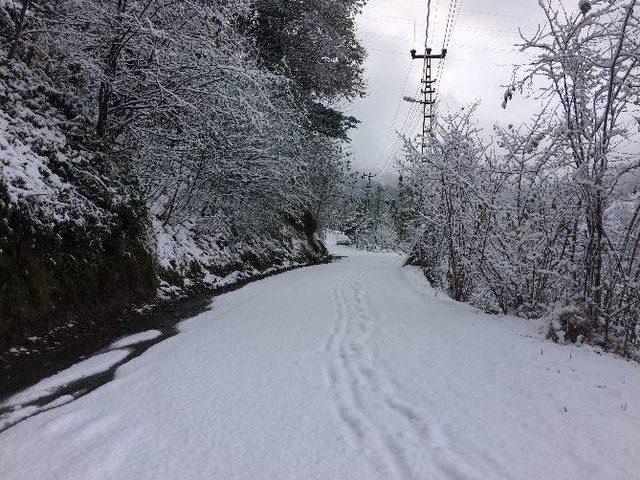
[
  {"x": 372, "y": 387},
  {"x": 348, "y": 403},
  {"x": 358, "y": 388},
  {"x": 394, "y": 435}
]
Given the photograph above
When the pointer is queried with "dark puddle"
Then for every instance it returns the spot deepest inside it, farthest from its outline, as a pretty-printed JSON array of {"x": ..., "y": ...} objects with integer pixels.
[
  {"x": 61, "y": 349},
  {"x": 81, "y": 387},
  {"x": 162, "y": 318}
]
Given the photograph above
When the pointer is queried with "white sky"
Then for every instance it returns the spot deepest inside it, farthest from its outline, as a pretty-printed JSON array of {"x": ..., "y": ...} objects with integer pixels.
[{"x": 479, "y": 60}]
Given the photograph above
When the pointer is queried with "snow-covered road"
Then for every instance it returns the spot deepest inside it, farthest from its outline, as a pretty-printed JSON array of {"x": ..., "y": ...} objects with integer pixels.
[{"x": 353, "y": 370}]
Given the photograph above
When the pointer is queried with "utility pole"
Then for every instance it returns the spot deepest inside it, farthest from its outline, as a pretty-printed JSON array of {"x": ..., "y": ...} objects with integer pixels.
[
  {"x": 427, "y": 90},
  {"x": 368, "y": 176}
]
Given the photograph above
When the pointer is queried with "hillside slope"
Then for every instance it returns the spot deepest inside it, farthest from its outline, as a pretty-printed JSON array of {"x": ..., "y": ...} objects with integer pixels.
[{"x": 77, "y": 241}]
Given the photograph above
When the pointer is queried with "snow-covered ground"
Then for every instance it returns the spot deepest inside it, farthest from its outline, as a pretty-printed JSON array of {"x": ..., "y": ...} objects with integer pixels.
[{"x": 353, "y": 370}]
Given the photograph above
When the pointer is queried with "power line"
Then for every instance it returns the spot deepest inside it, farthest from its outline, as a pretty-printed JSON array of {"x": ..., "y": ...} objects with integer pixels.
[
  {"x": 426, "y": 90},
  {"x": 410, "y": 115},
  {"x": 452, "y": 8},
  {"x": 453, "y": 16},
  {"x": 395, "y": 114},
  {"x": 427, "y": 96}
]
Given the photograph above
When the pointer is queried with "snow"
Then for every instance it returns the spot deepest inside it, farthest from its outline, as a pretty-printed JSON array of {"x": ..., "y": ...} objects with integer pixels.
[
  {"x": 14, "y": 416},
  {"x": 32, "y": 141},
  {"x": 352, "y": 370},
  {"x": 91, "y": 366},
  {"x": 221, "y": 257},
  {"x": 136, "y": 338}
]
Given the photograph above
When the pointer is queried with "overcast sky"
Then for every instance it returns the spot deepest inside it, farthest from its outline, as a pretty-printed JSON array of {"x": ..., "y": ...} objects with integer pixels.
[{"x": 479, "y": 60}]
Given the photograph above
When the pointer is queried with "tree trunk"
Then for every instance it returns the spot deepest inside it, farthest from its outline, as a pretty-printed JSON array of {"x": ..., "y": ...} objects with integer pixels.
[
  {"x": 19, "y": 28},
  {"x": 111, "y": 67},
  {"x": 106, "y": 90}
]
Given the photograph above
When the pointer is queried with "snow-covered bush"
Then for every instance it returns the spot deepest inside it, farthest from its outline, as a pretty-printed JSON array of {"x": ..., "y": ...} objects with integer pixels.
[{"x": 547, "y": 214}]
